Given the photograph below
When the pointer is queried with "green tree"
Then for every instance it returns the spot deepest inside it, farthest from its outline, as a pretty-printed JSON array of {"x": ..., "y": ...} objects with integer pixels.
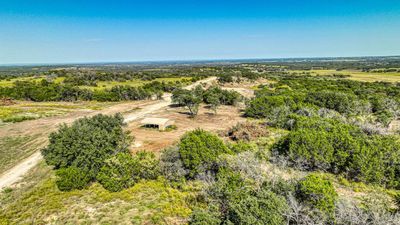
[
  {"x": 87, "y": 143},
  {"x": 213, "y": 100},
  {"x": 187, "y": 98},
  {"x": 199, "y": 150}
]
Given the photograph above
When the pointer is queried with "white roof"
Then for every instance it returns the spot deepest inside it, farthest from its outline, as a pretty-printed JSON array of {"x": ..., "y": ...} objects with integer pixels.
[{"x": 154, "y": 120}]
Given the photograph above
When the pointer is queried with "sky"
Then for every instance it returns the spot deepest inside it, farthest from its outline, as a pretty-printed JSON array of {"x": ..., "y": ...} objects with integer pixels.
[{"x": 50, "y": 31}]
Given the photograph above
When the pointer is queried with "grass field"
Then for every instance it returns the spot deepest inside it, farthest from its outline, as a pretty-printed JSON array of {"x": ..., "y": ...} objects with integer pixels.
[
  {"x": 133, "y": 83},
  {"x": 15, "y": 148},
  {"x": 24, "y": 110},
  {"x": 9, "y": 83},
  {"x": 358, "y": 75},
  {"x": 148, "y": 202}
]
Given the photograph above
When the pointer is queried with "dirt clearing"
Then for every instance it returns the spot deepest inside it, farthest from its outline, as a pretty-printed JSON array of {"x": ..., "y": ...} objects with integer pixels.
[{"x": 155, "y": 140}]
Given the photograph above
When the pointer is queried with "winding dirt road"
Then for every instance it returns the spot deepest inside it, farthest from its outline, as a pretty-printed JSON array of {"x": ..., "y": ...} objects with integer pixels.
[{"x": 17, "y": 172}]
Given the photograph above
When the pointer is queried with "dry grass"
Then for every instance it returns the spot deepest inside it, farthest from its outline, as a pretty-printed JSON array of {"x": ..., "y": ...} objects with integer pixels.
[
  {"x": 15, "y": 148},
  {"x": 38, "y": 201},
  {"x": 359, "y": 75},
  {"x": 25, "y": 110}
]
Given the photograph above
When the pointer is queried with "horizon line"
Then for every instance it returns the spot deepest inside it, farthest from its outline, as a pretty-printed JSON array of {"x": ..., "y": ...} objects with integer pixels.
[{"x": 178, "y": 61}]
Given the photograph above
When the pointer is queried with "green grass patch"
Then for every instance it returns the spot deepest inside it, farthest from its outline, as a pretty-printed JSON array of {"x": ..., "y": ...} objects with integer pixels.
[
  {"x": 148, "y": 202},
  {"x": 134, "y": 83}
]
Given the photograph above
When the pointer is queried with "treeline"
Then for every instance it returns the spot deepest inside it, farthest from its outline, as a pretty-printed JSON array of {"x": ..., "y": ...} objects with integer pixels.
[
  {"x": 91, "y": 78},
  {"x": 364, "y": 63},
  {"x": 51, "y": 91},
  {"x": 335, "y": 126},
  {"x": 350, "y": 98}
]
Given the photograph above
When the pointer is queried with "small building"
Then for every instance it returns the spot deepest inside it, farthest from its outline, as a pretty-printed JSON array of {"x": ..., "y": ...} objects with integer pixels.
[{"x": 161, "y": 123}]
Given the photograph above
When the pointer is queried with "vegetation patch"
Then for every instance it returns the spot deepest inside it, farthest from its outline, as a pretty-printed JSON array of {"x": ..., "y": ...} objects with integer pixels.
[{"x": 150, "y": 202}]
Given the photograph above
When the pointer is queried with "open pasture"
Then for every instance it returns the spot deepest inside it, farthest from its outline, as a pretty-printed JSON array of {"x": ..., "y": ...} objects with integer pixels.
[{"x": 359, "y": 75}]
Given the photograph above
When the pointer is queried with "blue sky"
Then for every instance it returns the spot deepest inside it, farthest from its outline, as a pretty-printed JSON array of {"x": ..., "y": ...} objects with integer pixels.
[{"x": 44, "y": 31}]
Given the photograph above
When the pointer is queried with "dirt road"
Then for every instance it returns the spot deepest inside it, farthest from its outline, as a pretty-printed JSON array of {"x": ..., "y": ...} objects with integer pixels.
[{"x": 47, "y": 125}]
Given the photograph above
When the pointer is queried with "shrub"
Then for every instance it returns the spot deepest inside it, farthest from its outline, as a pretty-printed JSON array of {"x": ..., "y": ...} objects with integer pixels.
[
  {"x": 240, "y": 204},
  {"x": 199, "y": 150},
  {"x": 262, "y": 207},
  {"x": 309, "y": 148},
  {"x": 71, "y": 178},
  {"x": 263, "y": 106},
  {"x": 247, "y": 131},
  {"x": 171, "y": 165},
  {"x": 338, "y": 101},
  {"x": 148, "y": 164},
  {"x": 317, "y": 192},
  {"x": 119, "y": 172},
  {"x": 123, "y": 171},
  {"x": 87, "y": 143},
  {"x": 205, "y": 217},
  {"x": 242, "y": 146},
  {"x": 377, "y": 161}
]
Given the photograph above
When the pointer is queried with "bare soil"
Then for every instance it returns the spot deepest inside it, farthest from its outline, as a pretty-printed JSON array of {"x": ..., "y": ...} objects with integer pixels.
[{"x": 152, "y": 139}]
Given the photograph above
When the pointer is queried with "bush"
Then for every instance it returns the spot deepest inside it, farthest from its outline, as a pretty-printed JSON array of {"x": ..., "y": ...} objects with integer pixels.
[
  {"x": 71, "y": 178},
  {"x": 123, "y": 171},
  {"x": 205, "y": 217},
  {"x": 242, "y": 146},
  {"x": 119, "y": 172},
  {"x": 148, "y": 165},
  {"x": 310, "y": 148},
  {"x": 263, "y": 106},
  {"x": 341, "y": 102},
  {"x": 247, "y": 131},
  {"x": 171, "y": 165},
  {"x": 199, "y": 150},
  {"x": 318, "y": 193},
  {"x": 87, "y": 143},
  {"x": 377, "y": 161},
  {"x": 239, "y": 204},
  {"x": 261, "y": 207},
  {"x": 324, "y": 144}
]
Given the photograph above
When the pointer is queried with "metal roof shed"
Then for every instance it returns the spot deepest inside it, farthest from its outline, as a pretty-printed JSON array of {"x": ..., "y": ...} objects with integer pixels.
[{"x": 162, "y": 123}]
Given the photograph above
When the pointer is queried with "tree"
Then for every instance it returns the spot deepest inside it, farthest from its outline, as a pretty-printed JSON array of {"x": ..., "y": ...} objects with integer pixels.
[
  {"x": 213, "y": 100},
  {"x": 199, "y": 150},
  {"x": 87, "y": 143},
  {"x": 187, "y": 98}
]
